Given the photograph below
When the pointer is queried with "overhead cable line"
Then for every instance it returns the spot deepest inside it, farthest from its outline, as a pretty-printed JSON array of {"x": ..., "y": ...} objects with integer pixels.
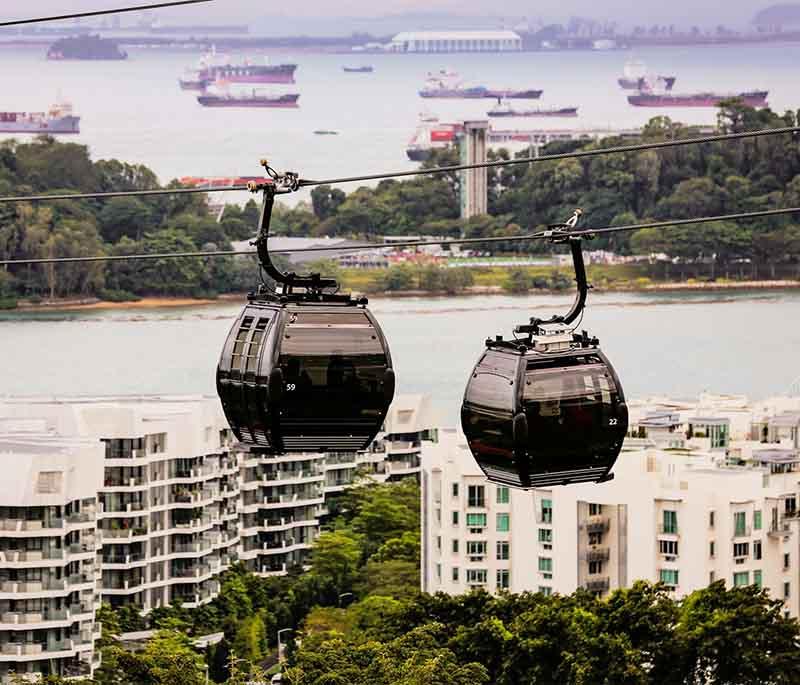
[
  {"x": 557, "y": 233},
  {"x": 98, "y": 13},
  {"x": 305, "y": 183}
]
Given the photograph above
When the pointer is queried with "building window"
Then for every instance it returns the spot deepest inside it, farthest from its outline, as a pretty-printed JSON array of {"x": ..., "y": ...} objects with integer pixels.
[
  {"x": 439, "y": 542},
  {"x": 476, "y": 550},
  {"x": 476, "y": 576},
  {"x": 455, "y": 546},
  {"x": 669, "y": 547},
  {"x": 547, "y": 511},
  {"x": 595, "y": 538},
  {"x": 741, "y": 579},
  {"x": 670, "y": 522},
  {"x": 786, "y": 590},
  {"x": 741, "y": 549},
  {"x": 545, "y": 590},
  {"x": 455, "y": 489},
  {"x": 503, "y": 550},
  {"x": 439, "y": 572},
  {"x": 476, "y": 496},
  {"x": 669, "y": 576},
  {"x": 545, "y": 565},
  {"x": 786, "y": 560},
  {"x": 503, "y": 579},
  {"x": 476, "y": 522},
  {"x": 595, "y": 567},
  {"x": 438, "y": 516},
  {"x": 712, "y": 551},
  {"x": 595, "y": 509},
  {"x": 49, "y": 482},
  {"x": 455, "y": 518},
  {"x": 455, "y": 574},
  {"x": 711, "y": 577},
  {"x": 757, "y": 549},
  {"x": 710, "y": 519},
  {"x": 757, "y": 519},
  {"x": 545, "y": 535},
  {"x": 757, "y": 578},
  {"x": 503, "y": 523},
  {"x": 502, "y": 495},
  {"x": 740, "y": 523}
]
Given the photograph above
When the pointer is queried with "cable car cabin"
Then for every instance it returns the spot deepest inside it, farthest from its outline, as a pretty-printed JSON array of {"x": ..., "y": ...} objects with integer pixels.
[
  {"x": 306, "y": 377},
  {"x": 537, "y": 417}
]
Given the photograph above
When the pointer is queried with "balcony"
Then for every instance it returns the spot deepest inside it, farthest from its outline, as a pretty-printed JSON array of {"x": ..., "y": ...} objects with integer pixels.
[
  {"x": 741, "y": 532},
  {"x": 25, "y": 526},
  {"x": 597, "y": 585},
  {"x": 668, "y": 530},
  {"x": 597, "y": 524},
  {"x": 598, "y": 554}
]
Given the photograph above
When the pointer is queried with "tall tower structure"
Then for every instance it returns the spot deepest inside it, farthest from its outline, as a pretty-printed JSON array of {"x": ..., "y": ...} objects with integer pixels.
[{"x": 474, "y": 197}]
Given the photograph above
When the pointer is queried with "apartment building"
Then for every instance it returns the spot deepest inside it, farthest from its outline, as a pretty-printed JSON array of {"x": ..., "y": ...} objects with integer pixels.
[
  {"x": 694, "y": 499},
  {"x": 49, "y": 553},
  {"x": 168, "y": 497}
]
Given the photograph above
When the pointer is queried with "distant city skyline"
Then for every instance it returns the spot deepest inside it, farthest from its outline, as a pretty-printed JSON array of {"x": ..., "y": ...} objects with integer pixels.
[{"x": 389, "y": 15}]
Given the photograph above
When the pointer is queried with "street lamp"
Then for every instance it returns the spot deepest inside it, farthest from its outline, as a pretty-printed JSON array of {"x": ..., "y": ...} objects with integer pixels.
[{"x": 280, "y": 644}]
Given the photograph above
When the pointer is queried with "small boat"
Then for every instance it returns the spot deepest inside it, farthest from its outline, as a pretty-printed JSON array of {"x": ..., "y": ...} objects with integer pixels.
[
  {"x": 324, "y": 132},
  {"x": 367, "y": 69}
]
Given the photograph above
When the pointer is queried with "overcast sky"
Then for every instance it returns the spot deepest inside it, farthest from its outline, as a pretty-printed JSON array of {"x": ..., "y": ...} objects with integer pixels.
[{"x": 293, "y": 15}]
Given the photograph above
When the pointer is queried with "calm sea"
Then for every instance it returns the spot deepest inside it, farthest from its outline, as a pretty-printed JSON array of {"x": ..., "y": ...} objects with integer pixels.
[
  {"x": 677, "y": 345},
  {"x": 135, "y": 111}
]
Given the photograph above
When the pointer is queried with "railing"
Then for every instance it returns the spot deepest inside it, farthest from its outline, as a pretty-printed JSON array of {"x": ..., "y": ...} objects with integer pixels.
[
  {"x": 668, "y": 530},
  {"x": 597, "y": 585},
  {"x": 741, "y": 532},
  {"x": 22, "y": 525},
  {"x": 598, "y": 554},
  {"x": 597, "y": 524}
]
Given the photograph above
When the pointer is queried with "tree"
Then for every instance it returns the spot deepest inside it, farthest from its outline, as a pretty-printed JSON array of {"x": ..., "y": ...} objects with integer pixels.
[
  {"x": 125, "y": 216},
  {"x": 335, "y": 557}
]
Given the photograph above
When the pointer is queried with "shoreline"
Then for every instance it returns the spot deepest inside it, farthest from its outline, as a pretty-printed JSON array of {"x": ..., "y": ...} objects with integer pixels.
[{"x": 91, "y": 304}]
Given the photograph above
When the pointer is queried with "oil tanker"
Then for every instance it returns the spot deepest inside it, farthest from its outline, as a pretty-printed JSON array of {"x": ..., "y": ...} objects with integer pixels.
[
  {"x": 212, "y": 68},
  {"x": 751, "y": 98},
  {"x": 447, "y": 85},
  {"x": 58, "y": 120},
  {"x": 636, "y": 77},
  {"x": 253, "y": 99},
  {"x": 507, "y": 111}
]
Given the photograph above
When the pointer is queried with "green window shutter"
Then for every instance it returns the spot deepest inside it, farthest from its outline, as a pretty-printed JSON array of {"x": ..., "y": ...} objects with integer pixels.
[
  {"x": 502, "y": 523},
  {"x": 757, "y": 519},
  {"x": 502, "y": 495},
  {"x": 476, "y": 520},
  {"x": 740, "y": 522},
  {"x": 741, "y": 579},
  {"x": 546, "y": 564},
  {"x": 757, "y": 578}
]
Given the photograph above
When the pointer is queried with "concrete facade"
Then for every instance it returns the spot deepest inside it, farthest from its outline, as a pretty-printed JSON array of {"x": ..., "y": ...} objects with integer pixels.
[{"x": 694, "y": 500}]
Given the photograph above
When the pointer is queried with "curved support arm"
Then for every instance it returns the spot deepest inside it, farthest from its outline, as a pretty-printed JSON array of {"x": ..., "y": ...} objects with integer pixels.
[
  {"x": 290, "y": 279},
  {"x": 580, "y": 297}
]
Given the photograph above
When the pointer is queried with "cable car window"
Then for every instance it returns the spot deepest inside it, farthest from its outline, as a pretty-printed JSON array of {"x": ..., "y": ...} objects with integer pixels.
[
  {"x": 347, "y": 318},
  {"x": 318, "y": 341},
  {"x": 570, "y": 383},
  {"x": 491, "y": 391}
]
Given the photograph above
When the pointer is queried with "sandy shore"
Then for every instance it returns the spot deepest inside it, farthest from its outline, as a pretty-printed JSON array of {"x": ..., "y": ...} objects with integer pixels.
[{"x": 174, "y": 302}]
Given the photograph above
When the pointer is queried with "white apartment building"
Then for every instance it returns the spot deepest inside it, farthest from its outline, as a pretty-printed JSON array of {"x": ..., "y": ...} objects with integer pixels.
[
  {"x": 694, "y": 499},
  {"x": 168, "y": 494},
  {"x": 49, "y": 553}
]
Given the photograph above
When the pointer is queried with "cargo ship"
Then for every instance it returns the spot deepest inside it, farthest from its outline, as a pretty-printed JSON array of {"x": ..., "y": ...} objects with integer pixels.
[
  {"x": 58, "y": 120},
  {"x": 446, "y": 84},
  {"x": 505, "y": 110},
  {"x": 635, "y": 77},
  {"x": 751, "y": 98},
  {"x": 358, "y": 70},
  {"x": 251, "y": 99},
  {"x": 86, "y": 47},
  {"x": 213, "y": 68}
]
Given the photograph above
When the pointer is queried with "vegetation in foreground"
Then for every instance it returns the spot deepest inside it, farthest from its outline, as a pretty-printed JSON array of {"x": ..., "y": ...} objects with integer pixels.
[{"x": 358, "y": 618}]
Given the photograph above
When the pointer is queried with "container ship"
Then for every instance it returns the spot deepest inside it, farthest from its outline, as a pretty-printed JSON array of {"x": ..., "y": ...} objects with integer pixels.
[
  {"x": 358, "y": 70},
  {"x": 58, "y": 120},
  {"x": 86, "y": 48},
  {"x": 751, "y": 98},
  {"x": 447, "y": 85},
  {"x": 505, "y": 110},
  {"x": 252, "y": 99},
  {"x": 212, "y": 68},
  {"x": 635, "y": 76}
]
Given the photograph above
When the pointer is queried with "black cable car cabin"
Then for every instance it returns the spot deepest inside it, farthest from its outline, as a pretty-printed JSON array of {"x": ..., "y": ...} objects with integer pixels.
[
  {"x": 547, "y": 409},
  {"x": 304, "y": 372}
]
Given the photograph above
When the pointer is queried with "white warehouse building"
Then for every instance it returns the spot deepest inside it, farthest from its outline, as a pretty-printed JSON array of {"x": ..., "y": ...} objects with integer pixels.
[
  {"x": 696, "y": 498},
  {"x": 456, "y": 41}
]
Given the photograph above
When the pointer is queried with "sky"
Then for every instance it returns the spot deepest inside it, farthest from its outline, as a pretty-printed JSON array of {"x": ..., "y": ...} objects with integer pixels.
[{"x": 284, "y": 18}]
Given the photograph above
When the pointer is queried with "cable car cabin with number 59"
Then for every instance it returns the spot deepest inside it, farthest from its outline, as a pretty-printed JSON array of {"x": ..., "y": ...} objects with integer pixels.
[
  {"x": 306, "y": 378},
  {"x": 536, "y": 418}
]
